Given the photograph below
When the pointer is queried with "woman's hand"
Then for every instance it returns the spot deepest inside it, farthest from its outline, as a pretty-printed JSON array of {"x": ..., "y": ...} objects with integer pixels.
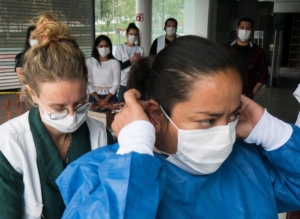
[
  {"x": 250, "y": 114},
  {"x": 101, "y": 103},
  {"x": 133, "y": 110},
  {"x": 135, "y": 57}
]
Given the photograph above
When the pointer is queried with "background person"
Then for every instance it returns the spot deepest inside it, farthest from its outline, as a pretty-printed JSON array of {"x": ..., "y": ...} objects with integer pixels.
[
  {"x": 37, "y": 146},
  {"x": 201, "y": 169},
  {"x": 30, "y": 41},
  {"x": 103, "y": 72},
  {"x": 128, "y": 53},
  {"x": 161, "y": 42},
  {"x": 251, "y": 58}
]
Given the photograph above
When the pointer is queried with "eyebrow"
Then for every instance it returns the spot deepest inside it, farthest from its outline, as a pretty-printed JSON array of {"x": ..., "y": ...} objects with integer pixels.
[
  {"x": 220, "y": 114},
  {"x": 62, "y": 105}
]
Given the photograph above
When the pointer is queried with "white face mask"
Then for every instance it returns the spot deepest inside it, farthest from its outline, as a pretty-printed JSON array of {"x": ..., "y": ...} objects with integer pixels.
[
  {"x": 171, "y": 31},
  {"x": 202, "y": 151},
  {"x": 132, "y": 39},
  {"x": 103, "y": 51},
  {"x": 68, "y": 124},
  {"x": 244, "y": 35},
  {"x": 33, "y": 42}
]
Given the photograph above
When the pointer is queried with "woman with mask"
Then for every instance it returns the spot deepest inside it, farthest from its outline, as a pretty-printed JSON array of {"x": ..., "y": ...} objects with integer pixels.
[
  {"x": 189, "y": 101},
  {"x": 30, "y": 41},
  {"x": 128, "y": 53},
  {"x": 37, "y": 146},
  {"x": 103, "y": 72}
]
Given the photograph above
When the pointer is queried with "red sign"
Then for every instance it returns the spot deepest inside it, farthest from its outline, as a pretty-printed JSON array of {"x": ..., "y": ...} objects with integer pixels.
[{"x": 139, "y": 17}]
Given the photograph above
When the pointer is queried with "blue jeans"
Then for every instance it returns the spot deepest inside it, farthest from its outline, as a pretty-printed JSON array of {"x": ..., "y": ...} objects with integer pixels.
[
  {"x": 122, "y": 90},
  {"x": 113, "y": 99}
]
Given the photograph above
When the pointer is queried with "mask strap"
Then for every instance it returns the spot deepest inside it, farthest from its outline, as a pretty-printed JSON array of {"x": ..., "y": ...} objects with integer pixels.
[
  {"x": 40, "y": 102},
  {"x": 168, "y": 117},
  {"x": 164, "y": 153}
]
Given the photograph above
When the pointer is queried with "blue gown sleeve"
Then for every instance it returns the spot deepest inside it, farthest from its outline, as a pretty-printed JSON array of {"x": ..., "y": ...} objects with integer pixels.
[
  {"x": 102, "y": 184},
  {"x": 283, "y": 165}
]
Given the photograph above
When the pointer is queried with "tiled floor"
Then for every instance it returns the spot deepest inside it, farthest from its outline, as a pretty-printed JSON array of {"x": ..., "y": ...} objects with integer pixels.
[{"x": 279, "y": 100}]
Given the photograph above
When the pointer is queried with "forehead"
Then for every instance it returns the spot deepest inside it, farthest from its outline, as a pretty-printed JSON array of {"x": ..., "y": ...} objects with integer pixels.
[
  {"x": 103, "y": 42},
  {"x": 63, "y": 91},
  {"x": 171, "y": 24},
  {"x": 132, "y": 31},
  {"x": 245, "y": 24},
  {"x": 32, "y": 34},
  {"x": 217, "y": 93}
]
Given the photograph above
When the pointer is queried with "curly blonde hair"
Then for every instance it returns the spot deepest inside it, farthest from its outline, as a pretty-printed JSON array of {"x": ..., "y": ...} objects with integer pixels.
[{"x": 56, "y": 57}]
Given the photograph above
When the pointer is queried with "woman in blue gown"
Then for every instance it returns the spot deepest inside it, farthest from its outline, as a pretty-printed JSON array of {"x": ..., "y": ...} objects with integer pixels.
[{"x": 185, "y": 106}]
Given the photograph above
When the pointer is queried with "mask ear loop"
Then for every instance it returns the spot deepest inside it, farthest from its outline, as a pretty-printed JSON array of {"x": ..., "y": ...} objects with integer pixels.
[
  {"x": 168, "y": 117},
  {"x": 40, "y": 103}
]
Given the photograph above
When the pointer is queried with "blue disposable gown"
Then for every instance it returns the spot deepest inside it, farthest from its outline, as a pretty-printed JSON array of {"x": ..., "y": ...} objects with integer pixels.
[{"x": 251, "y": 183}]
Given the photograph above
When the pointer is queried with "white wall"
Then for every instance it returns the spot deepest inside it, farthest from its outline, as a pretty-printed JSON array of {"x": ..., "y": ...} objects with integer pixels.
[
  {"x": 196, "y": 17},
  {"x": 286, "y": 6}
]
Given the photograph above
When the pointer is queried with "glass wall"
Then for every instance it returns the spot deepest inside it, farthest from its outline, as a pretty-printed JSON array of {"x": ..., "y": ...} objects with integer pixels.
[
  {"x": 164, "y": 9},
  {"x": 112, "y": 18}
]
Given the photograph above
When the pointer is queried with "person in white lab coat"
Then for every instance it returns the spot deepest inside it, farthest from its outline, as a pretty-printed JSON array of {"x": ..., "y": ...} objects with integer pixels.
[{"x": 36, "y": 146}]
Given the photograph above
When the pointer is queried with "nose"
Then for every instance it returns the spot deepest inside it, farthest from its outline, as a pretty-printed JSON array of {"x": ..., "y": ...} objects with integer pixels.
[
  {"x": 221, "y": 122},
  {"x": 71, "y": 112}
]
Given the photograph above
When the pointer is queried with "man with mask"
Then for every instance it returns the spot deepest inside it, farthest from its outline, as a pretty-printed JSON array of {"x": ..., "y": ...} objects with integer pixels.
[
  {"x": 162, "y": 41},
  {"x": 251, "y": 58}
]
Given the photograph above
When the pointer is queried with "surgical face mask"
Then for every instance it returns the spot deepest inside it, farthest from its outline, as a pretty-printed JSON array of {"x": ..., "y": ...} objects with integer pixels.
[
  {"x": 171, "y": 31},
  {"x": 67, "y": 124},
  {"x": 244, "y": 35},
  {"x": 103, "y": 51},
  {"x": 33, "y": 42},
  {"x": 132, "y": 39},
  {"x": 202, "y": 151}
]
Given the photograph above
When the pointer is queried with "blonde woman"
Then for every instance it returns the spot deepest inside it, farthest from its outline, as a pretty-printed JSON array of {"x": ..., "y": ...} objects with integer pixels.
[{"x": 37, "y": 146}]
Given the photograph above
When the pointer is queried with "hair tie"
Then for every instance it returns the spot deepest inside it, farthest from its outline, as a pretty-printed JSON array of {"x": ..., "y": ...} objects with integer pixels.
[{"x": 55, "y": 39}]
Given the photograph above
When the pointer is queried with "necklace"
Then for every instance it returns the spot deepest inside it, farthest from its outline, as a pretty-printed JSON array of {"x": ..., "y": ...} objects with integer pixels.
[{"x": 68, "y": 152}]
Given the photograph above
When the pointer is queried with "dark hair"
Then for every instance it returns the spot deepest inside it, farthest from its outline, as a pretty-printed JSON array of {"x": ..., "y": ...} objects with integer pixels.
[
  {"x": 169, "y": 78},
  {"x": 246, "y": 19},
  {"x": 95, "y": 52},
  {"x": 29, "y": 31},
  {"x": 171, "y": 19},
  {"x": 132, "y": 26}
]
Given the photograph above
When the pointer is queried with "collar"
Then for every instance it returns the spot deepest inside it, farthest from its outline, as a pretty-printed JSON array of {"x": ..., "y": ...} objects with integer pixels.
[
  {"x": 48, "y": 156},
  {"x": 234, "y": 42}
]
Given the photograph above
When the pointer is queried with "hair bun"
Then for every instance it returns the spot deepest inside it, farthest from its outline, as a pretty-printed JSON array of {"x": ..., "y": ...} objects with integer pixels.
[{"x": 50, "y": 28}]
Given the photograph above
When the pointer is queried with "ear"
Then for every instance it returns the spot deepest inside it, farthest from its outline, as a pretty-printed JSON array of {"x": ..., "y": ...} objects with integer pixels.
[
  {"x": 155, "y": 115},
  {"x": 31, "y": 93},
  {"x": 28, "y": 41},
  {"x": 237, "y": 30},
  {"x": 164, "y": 28}
]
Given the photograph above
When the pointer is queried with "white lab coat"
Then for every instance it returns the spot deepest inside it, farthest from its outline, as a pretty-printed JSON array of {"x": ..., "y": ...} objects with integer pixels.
[
  {"x": 161, "y": 42},
  {"x": 16, "y": 143}
]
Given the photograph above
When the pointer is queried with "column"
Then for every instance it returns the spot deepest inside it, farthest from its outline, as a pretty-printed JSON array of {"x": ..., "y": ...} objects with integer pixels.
[
  {"x": 196, "y": 17},
  {"x": 143, "y": 11}
]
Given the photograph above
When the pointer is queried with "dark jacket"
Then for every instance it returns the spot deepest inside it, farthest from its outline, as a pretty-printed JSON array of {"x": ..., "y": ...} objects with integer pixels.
[{"x": 256, "y": 68}]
